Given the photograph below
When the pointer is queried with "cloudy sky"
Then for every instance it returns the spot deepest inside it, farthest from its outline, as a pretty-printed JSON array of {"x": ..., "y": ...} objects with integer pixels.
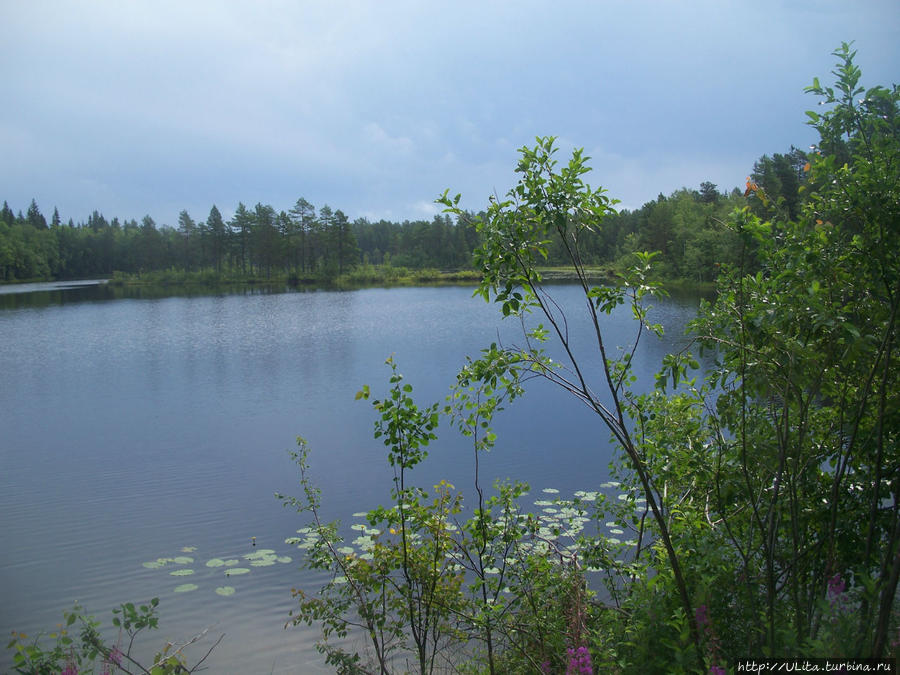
[{"x": 136, "y": 107}]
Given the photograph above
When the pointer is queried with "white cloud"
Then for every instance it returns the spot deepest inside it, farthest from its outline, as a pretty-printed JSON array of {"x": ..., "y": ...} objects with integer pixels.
[
  {"x": 395, "y": 145},
  {"x": 425, "y": 209}
]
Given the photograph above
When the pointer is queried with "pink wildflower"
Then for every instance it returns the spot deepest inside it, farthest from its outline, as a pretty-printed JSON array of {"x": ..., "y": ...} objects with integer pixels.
[
  {"x": 701, "y": 616},
  {"x": 835, "y": 594},
  {"x": 579, "y": 662},
  {"x": 836, "y": 587}
]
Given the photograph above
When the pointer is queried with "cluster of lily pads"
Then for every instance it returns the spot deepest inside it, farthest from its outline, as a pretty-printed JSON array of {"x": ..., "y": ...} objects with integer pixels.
[
  {"x": 560, "y": 524},
  {"x": 231, "y": 567}
]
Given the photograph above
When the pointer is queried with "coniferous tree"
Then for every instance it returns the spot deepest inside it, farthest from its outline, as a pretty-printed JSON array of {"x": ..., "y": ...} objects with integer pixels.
[
  {"x": 347, "y": 251},
  {"x": 218, "y": 232},
  {"x": 303, "y": 216},
  {"x": 188, "y": 231},
  {"x": 265, "y": 237},
  {"x": 6, "y": 214},
  {"x": 34, "y": 217},
  {"x": 241, "y": 225}
]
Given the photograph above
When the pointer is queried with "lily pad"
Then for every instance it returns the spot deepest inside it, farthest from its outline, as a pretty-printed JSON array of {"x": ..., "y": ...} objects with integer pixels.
[
  {"x": 181, "y": 573},
  {"x": 225, "y": 590},
  {"x": 231, "y": 563},
  {"x": 185, "y": 588},
  {"x": 263, "y": 562},
  {"x": 215, "y": 562},
  {"x": 261, "y": 553},
  {"x": 365, "y": 543},
  {"x": 183, "y": 560},
  {"x": 237, "y": 570},
  {"x": 154, "y": 564},
  {"x": 188, "y": 549},
  {"x": 284, "y": 559}
]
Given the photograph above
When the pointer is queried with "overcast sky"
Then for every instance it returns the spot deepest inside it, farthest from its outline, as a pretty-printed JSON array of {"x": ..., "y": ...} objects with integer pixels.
[{"x": 151, "y": 107}]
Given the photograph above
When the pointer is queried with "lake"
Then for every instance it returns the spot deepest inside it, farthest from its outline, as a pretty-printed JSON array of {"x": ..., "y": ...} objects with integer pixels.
[{"x": 133, "y": 428}]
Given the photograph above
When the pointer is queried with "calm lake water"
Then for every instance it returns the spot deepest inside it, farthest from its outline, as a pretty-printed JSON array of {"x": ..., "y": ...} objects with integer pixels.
[{"x": 132, "y": 428}]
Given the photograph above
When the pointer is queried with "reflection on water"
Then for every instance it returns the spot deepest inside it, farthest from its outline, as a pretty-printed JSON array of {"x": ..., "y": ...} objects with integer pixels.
[
  {"x": 46, "y": 294},
  {"x": 135, "y": 424}
]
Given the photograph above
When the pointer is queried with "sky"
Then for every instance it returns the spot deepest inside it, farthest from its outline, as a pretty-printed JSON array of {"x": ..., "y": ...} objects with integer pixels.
[{"x": 134, "y": 107}]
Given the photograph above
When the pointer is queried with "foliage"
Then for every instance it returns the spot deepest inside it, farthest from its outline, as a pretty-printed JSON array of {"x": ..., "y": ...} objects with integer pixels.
[
  {"x": 502, "y": 587},
  {"x": 763, "y": 502},
  {"x": 555, "y": 205},
  {"x": 70, "y": 653},
  {"x": 806, "y": 370}
]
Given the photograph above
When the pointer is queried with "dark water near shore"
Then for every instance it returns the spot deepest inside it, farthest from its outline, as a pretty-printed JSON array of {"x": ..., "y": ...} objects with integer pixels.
[{"x": 132, "y": 428}]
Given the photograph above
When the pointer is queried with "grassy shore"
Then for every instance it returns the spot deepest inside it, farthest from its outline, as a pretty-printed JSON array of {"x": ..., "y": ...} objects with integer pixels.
[{"x": 362, "y": 276}]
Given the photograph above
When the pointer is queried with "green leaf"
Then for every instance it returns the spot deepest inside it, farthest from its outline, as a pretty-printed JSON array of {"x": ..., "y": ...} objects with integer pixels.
[{"x": 234, "y": 571}]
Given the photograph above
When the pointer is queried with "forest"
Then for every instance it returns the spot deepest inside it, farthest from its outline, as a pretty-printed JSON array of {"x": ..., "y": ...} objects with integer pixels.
[{"x": 305, "y": 243}]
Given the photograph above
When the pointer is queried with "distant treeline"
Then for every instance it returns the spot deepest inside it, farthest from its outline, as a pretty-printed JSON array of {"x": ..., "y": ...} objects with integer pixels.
[{"x": 686, "y": 227}]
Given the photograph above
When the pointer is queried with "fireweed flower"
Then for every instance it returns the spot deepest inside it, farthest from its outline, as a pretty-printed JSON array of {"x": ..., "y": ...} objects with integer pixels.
[
  {"x": 836, "y": 585},
  {"x": 701, "y": 616},
  {"x": 579, "y": 662},
  {"x": 835, "y": 594},
  {"x": 704, "y": 624}
]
